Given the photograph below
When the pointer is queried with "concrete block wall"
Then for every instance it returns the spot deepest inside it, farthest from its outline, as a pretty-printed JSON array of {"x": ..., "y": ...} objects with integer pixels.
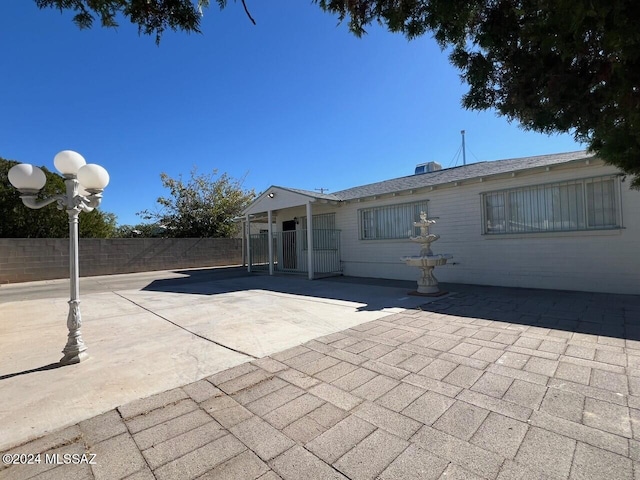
[{"x": 30, "y": 259}]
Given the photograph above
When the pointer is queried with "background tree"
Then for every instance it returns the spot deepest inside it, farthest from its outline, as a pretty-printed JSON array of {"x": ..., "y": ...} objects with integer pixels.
[
  {"x": 18, "y": 221},
  {"x": 570, "y": 66},
  {"x": 140, "y": 230},
  {"x": 203, "y": 206},
  {"x": 553, "y": 65},
  {"x": 152, "y": 17}
]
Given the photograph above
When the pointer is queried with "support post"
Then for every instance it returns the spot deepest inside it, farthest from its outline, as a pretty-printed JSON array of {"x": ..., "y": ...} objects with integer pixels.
[
  {"x": 244, "y": 239},
  {"x": 248, "y": 244},
  {"x": 309, "y": 240},
  {"x": 270, "y": 241}
]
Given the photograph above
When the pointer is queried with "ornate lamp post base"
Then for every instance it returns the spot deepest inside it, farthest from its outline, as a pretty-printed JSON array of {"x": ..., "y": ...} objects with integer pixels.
[
  {"x": 71, "y": 357},
  {"x": 75, "y": 349}
]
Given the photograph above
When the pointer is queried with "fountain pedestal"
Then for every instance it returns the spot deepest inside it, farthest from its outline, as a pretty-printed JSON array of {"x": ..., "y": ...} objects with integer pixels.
[{"x": 426, "y": 261}]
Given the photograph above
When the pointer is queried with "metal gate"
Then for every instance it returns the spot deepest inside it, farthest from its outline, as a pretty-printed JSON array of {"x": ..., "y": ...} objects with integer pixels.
[{"x": 290, "y": 252}]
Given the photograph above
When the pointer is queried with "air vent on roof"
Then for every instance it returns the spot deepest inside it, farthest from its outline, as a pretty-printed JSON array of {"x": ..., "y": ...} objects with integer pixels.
[{"x": 427, "y": 167}]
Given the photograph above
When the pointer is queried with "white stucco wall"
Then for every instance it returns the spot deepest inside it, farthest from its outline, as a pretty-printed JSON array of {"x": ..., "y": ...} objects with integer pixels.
[{"x": 598, "y": 261}]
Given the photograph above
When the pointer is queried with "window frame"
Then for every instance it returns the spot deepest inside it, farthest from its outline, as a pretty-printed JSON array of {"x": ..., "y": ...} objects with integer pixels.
[
  {"x": 584, "y": 213},
  {"x": 416, "y": 206},
  {"x": 327, "y": 238}
]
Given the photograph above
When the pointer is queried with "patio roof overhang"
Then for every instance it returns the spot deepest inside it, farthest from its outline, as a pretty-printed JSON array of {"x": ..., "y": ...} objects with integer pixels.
[{"x": 278, "y": 198}]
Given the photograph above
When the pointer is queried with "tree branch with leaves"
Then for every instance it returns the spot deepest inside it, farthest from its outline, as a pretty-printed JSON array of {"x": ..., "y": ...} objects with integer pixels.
[
  {"x": 153, "y": 17},
  {"x": 554, "y": 66},
  {"x": 205, "y": 205}
]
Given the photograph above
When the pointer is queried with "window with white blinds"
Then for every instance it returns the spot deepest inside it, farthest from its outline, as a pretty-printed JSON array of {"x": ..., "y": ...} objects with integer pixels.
[
  {"x": 390, "y": 221},
  {"x": 586, "y": 204}
]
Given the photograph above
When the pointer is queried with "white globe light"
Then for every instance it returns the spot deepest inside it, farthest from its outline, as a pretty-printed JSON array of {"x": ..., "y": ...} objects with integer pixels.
[
  {"x": 92, "y": 176},
  {"x": 27, "y": 177},
  {"x": 68, "y": 162}
]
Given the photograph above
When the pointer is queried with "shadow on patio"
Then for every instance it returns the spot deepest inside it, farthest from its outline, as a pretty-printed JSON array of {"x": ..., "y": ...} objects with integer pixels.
[
  {"x": 603, "y": 314},
  {"x": 373, "y": 294}
]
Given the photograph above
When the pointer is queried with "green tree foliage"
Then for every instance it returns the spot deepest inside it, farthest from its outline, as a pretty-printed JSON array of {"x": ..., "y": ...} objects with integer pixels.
[
  {"x": 570, "y": 66},
  {"x": 153, "y": 17},
  {"x": 18, "y": 221},
  {"x": 140, "y": 230},
  {"x": 97, "y": 224},
  {"x": 203, "y": 206}
]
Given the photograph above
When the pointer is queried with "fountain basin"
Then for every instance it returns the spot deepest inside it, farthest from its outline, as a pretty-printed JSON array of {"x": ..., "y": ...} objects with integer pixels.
[
  {"x": 425, "y": 238},
  {"x": 426, "y": 261},
  {"x": 427, "y": 283}
]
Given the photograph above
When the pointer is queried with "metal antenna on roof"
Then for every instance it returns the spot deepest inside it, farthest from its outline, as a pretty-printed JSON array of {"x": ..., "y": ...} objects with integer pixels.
[
  {"x": 464, "y": 152},
  {"x": 322, "y": 189}
]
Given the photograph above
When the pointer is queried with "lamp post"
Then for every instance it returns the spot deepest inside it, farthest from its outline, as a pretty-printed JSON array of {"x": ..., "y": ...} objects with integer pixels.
[{"x": 84, "y": 185}]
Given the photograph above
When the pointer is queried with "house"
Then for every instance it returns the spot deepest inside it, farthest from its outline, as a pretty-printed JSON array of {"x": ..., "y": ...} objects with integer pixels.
[{"x": 565, "y": 221}]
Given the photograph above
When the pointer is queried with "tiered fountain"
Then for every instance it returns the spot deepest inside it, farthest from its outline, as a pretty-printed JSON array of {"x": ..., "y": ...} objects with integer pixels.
[{"x": 426, "y": 261}]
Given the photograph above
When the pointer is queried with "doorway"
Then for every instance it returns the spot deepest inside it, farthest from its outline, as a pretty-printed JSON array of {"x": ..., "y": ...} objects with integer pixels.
[{"x": 289, "y": 254}]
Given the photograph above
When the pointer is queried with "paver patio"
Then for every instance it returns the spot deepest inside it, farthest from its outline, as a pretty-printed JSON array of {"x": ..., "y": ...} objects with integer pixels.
[{"x": 488, "y": 383}]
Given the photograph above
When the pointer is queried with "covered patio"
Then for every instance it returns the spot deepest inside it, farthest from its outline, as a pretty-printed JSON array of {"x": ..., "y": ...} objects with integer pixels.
[{"x": 292, "y": 231}]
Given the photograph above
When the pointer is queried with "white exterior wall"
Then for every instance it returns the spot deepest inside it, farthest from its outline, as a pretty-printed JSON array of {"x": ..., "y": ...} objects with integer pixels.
[{"x": 599, "y": 261}]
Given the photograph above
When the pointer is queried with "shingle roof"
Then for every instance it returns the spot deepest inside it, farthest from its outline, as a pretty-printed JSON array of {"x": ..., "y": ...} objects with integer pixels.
[
  {"x": 309, "y": 193},
  {"x": 455, "y": 174}
]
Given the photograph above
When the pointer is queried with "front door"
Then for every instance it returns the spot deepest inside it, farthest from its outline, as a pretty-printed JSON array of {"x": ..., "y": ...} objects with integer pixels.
[{"x": 289, "y": 256}]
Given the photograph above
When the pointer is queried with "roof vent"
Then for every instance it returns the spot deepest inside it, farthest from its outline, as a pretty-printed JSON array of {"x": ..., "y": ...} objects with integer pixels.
[{"x": 427, "y": 167}]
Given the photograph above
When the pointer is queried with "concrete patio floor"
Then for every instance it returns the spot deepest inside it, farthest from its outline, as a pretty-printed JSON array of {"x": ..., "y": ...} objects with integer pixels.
[
  {"x": 147, "y": 333},
  {"x": 339, "y": 378}
]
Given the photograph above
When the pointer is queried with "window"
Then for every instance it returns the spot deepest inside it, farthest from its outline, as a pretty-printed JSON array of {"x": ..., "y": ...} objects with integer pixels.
[
  {"x": 325, "y": 235},
  {"x": 566, "y": 206},
  {"x": 391, "y": 221},
  {"x": 325, "y": 221},
  {"x": 601, "y": 204}
]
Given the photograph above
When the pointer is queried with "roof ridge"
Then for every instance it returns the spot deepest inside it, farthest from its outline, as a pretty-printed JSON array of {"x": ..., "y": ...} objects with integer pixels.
[{"x": 459, "y": 173}]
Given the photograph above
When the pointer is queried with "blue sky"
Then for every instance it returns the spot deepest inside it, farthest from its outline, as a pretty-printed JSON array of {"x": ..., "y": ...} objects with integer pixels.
[{"x": 294, "y": 101}]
